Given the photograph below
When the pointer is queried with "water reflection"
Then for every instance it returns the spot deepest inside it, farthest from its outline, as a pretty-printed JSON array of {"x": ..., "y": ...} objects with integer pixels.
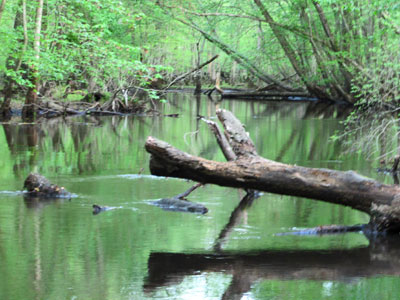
[
  {"x": 38, "y": 203},
  {"x": 237, "y": 215},
  {"x": 380, "y": 258},
  {"x": 57, "y": 249}
]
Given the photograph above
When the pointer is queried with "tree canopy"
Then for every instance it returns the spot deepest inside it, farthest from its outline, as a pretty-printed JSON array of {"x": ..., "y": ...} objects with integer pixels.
[{"x": 337, "y": 50}]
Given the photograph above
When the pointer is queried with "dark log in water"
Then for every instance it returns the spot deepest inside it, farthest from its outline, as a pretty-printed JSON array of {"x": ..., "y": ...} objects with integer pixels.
[
  {"x": 98, "y": 209},
  {"x": 180, "y": 204},
  {"x": 250, "y": 171},
  {"x": 291, "y": 96},
  {"x": 39, "y": 186}
]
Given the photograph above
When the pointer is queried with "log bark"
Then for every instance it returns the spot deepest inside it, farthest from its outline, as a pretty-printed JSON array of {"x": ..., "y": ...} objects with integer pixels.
[
  {"x": 179, "y": 203},
  {"x": 250, "y": 171},
  {"x": 39, "y": 186}
]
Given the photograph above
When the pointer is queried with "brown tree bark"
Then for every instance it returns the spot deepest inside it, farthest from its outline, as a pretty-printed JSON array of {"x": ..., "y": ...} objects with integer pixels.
[{"x": 250, "y": 171}]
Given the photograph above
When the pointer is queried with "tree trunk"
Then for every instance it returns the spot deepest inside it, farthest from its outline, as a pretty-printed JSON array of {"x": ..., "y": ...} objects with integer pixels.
[
  {"x": 2, "y": 6},
  {"x": 294, "y": 59},
  {"x": 240, "y": 59},
  {"x": 13, "y": 62},
  {"x": 28, "y": 110},
  {"x": 190, "y": 72},
  {"x": 250, "y": 171}
]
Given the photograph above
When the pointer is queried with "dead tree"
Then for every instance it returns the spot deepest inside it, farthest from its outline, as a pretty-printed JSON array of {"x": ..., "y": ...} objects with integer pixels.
[{"x": 250, "y": 171}]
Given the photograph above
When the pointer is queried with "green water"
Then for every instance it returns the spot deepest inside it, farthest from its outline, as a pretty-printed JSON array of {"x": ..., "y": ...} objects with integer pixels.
[{"x": 59, "y": 250}]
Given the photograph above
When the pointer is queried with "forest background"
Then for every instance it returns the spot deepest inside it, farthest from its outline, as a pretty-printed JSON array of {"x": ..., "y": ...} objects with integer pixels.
[{"x": 341, "y": 51}]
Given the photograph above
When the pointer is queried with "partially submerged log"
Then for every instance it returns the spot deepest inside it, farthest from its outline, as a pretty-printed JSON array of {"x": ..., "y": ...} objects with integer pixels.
[
  {"x": 250, "y": 171},
  {"x": 331, "y": 229},
  {"x": 39, "y": 186},
  {"x": 98, "y": 209},
  {"x": 291, "y": 96},
  {"x": 179, "y": 203}
]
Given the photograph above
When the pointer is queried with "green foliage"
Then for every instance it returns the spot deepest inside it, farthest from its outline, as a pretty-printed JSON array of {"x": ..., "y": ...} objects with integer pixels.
[
  {"x": 110, "y": 44},
  {"x": 87, "y": 45}
]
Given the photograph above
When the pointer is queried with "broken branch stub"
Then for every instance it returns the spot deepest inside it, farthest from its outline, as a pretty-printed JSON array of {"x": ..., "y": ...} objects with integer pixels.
[{"x": 251, "y": 171}]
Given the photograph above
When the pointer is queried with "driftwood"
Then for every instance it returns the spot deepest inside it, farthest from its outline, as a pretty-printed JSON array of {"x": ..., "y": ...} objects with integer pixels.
[
  {"x": 250, "y": 171},
  {"x": 113, "y": 107},
  {"x": 179, "y": 203},
  {"x": 39, "y": 186}
]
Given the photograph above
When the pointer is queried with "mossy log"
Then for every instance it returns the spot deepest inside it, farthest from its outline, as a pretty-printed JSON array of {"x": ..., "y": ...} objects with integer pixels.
[{"x": 250, "y": 171}]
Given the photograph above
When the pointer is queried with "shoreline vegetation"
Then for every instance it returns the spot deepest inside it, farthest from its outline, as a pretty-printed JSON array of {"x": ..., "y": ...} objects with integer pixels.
[{"x": 118, "y": 57}]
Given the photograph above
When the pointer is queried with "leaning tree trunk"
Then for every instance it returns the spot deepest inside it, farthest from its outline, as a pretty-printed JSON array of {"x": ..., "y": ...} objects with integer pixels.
[{"x": 250, "y": 171}]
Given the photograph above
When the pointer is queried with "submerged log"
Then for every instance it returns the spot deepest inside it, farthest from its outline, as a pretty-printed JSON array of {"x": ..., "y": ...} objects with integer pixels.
[
  {"x": 98, "y": 209},
  {"x": 292, "y": 96},
  {"x": 250, "y": 171},
  {"x": 179, "y": 203},
  {"x": 39, "y": 186}
]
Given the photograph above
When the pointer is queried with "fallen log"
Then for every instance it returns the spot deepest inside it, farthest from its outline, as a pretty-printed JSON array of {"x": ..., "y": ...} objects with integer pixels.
[
  {"x": 39, "y": 186},
  {"x": 179, "y": 203},
  {"x": 98, "y": 209},
  {"x": 291, "y": 96},
  {"x": 250, "y": 171},
  {"x": 331, "y": 229}
]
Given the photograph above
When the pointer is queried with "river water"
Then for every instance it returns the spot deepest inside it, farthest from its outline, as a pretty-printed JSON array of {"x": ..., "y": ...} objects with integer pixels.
[{"x": 57, "y": 249}]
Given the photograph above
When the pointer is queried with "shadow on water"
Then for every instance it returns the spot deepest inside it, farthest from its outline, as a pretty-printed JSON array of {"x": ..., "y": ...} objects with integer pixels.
[
  {"x": 381, "y": 257},
  {"x": 39, "y": 203}
]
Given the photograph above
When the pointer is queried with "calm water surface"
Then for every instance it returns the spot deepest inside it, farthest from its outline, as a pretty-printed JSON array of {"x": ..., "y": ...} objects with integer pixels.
[{"x": 59, "y": 250}]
